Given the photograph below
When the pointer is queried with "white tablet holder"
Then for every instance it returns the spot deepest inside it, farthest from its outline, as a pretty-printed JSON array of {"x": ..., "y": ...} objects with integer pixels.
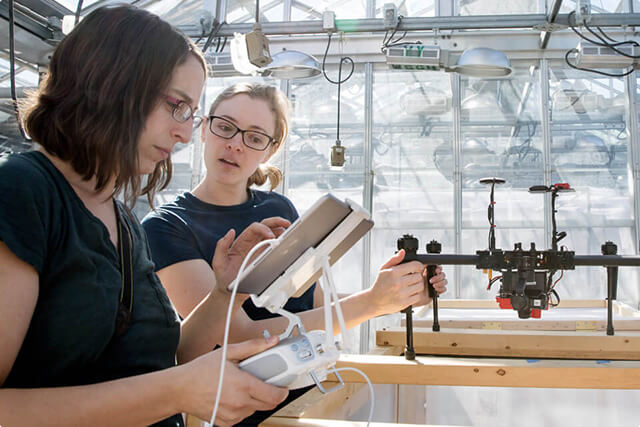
[
  {"x": 292, "y": 282},
  {"x": 323, "y": 351}
]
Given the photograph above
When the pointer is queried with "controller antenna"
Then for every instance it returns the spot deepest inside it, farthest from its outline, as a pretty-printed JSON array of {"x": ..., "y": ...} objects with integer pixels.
[{"x": 490, "y": 211}]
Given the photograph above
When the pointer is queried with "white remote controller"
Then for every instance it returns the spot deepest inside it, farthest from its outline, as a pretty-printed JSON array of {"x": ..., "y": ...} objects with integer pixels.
[{"x": 290, "y": 363}]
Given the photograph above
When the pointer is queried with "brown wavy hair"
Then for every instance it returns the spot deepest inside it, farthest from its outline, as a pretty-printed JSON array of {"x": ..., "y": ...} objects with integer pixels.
[
  {"x": 104, "y": 80},
  {"x": 279, "y": 105}
]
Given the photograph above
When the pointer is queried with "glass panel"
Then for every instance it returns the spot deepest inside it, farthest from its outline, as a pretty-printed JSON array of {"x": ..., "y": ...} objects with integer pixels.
[
  {"x": 501, "y": 137},
  {"x": 590, "y": 151},
  {"x": 412, "y": 130},
  {"x": 411, "y": 137},
  {"x": 312, "y": 133},
  {"x": 589, "y": 141},
  {"x": 598, "y": 6},
  {"x": 24, "y": 78},
  {"x": 11, "y": 140},
  {"x": 72, "y": 5},
  {"x": 305, "y": 10},
  {"x": 412, "y": 8},
  {"x": 501, "y": 133},
  {"x": 5, "y": 65},
  {"x": 239, "y": 11},
  {"x": 496, "y": 7}
]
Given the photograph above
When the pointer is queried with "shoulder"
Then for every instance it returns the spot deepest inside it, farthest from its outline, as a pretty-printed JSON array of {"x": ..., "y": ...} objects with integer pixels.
[
  {"x": 277, "y": 202},
  {"x": 23, "y": 170},
  {"x": 29, "y": 181},
  {"x": 174, "y": 212}
]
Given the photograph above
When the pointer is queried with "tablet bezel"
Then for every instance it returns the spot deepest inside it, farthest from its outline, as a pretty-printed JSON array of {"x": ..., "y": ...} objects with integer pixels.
[{"x": 307, "y": 231}]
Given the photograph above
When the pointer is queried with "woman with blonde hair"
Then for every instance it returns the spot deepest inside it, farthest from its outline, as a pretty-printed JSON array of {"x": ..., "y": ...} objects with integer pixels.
[{"x": 247, "y": 123}]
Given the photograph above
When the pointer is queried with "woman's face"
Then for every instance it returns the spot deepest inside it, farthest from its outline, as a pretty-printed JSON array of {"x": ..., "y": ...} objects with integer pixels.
[
  {"x": 162, "y": 132},
  {"x": 230, "y": 161}
]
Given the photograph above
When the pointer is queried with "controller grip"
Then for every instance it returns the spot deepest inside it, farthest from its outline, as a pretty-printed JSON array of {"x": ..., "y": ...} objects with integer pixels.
[
  {"x": 431, "y": 271},
  {"x": 433, "y": 247}
]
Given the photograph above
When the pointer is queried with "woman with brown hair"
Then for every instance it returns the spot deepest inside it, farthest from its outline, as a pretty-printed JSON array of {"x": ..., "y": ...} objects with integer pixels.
[{"x": 87, "y": 333}]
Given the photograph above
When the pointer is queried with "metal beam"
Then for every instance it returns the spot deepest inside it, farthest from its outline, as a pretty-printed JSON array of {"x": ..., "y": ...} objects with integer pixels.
[
  {"x": 26, "y": 23},
  {"x": 46, "y": 8},
  {"x": 552, "y": 14},
  {"x": 422, "y": 24}
]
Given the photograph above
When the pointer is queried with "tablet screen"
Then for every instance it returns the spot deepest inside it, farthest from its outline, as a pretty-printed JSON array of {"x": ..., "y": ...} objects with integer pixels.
[{"x": 307, "y": 231}]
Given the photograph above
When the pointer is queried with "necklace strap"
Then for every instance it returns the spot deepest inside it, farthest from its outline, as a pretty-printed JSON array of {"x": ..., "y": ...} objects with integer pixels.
[{"x": 125, "y": 243}]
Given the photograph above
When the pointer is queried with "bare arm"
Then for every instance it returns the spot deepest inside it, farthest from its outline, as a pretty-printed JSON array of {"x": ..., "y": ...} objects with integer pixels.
[
  {"x": 396, "y": 287},
  {"x": 133, "y": 401},
  {"x": 205, "y": 286},
  {"x": 88, "y": 405}
]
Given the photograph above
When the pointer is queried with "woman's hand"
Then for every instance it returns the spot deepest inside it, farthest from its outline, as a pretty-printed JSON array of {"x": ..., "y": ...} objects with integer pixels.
[
  {"x": 242, "y": 393},
  {"x": 401, "y": 285},
  {"x": 230, "y": 254}
]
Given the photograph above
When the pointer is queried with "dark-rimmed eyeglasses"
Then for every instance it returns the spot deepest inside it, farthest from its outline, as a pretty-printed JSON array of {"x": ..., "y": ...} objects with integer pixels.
[
  {"x": 181, "y": 111},
  {"x": 251, "y": 138}
]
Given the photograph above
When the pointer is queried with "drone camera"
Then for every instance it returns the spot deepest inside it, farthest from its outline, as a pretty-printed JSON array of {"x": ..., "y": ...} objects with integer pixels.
[{"x": 526, "y": 292}]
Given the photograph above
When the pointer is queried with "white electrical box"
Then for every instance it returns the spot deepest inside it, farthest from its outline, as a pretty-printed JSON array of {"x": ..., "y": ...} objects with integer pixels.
[{"x": 414, "y": 57}]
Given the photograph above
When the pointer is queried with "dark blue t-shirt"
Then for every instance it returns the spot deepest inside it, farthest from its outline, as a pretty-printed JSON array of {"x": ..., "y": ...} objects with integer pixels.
[
  {"x": 189, "y": 228},
  {"x": 70, "y": 340}
]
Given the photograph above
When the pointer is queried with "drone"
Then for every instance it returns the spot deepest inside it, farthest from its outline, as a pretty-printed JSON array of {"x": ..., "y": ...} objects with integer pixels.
[{"x": 526, "y": 275}]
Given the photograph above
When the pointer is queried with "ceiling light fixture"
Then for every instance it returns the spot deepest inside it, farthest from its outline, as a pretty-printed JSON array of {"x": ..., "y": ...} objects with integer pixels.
[
  {"x": 292, "y": 64},
  {"x": 483, "y": 62}
]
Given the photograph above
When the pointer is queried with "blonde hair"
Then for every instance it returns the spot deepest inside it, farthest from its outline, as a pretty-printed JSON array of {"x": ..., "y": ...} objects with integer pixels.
[{"x": 279, "y": 105}]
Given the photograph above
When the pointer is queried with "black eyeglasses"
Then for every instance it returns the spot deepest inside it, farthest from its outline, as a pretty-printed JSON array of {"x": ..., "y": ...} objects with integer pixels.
[
  {"x": 182, "y": 111},
  {"x": 251, "y": 138}
]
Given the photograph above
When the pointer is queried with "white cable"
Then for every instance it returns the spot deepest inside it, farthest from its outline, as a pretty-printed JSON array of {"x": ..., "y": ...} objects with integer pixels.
[
  {"x": 334, "y": 293},
  {"x": 228, "y": 321},
  {"x": 372, "y": 396},
  {"x": 336, "y": 299},
  {"x": 328, "y": 315}
]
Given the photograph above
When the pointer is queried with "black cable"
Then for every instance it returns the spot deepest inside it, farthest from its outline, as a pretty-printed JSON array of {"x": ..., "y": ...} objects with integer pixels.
[
  {"x": 612, "y": 46},
  {"x": 492, "y": 219},
  {"x": 602, "y": 41},
  {"x": 339, "y": 82},
  {"x": 215, "y": 28},
  {"x": 391, "y": 42},
  {"x": 557, "y": 303},
  {"x": 492, "y": 281},
  {"x": 257, "y": 10},
  {"x": 12, "y": 68},
  {"x": 388, "y": 41},
  {"x": 566, "y": 58},
  {"x": 606, "y": 36},
  {"x": 203, "y": 33},
  {"x": 78, "y": 10}
]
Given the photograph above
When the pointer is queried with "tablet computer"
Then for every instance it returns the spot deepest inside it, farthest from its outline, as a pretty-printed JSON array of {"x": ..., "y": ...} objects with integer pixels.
[{"x": 306, "y": 232}]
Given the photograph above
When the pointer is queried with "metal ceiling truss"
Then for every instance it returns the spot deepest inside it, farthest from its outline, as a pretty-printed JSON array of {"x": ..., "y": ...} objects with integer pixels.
[
  {"x": 480, "y": 22},
  {"x": 28, "y": 21}
]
